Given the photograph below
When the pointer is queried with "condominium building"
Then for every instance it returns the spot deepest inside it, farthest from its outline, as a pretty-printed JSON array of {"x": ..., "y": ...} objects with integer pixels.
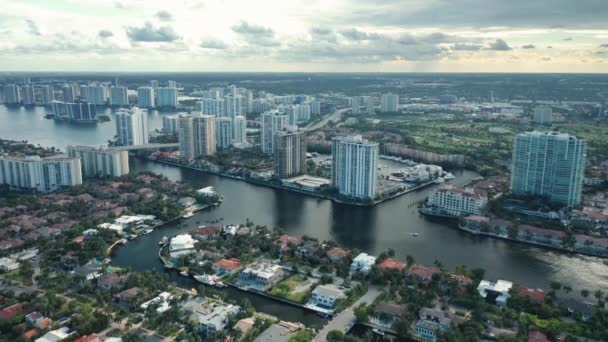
[
  {"x": 100, "y": 161},
  {"x": 27, "y": 95},
  {"x": 211, "y": 106},
  {"x": 47, "y": 94},
  {"x": 543, "y": 115},
  {"x": 233, "y": 105},
  {"x": 172, "y": 84},
  {"x": 154, "y": 84},
  {"x": 12, "y": 94},
  {"x": 94, "y": 94},
  {"x": 315, "y": 107},
  {"x": 69, "y": 94},
  {"x": 389, "y": 103},
  {"x": 167, "y": 97},
  {"x": 362, "y": 105},
  {"x": 119, "y": 97},
  {"x": 131, "y": 126},
  {"x": 240, "y": 130},
  {"x": 549, "y": 164},
  {"x": 196, "y": 136},
  {"x": 40, "y": 174},
  {"x": 170, "y": 124},
  {"x": 290, "y": 153},
  {"x": 224, "y": 129},
  {"x": 79, "y": 111},
  {"x": 354, "y": 166},
  {"x": 272, "y": 122},
  {"x": 457, "y": 202},
  {"x": 145, "y": 97}
]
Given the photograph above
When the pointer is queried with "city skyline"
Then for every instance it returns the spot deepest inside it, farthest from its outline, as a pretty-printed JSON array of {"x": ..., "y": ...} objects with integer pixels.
[{"x": 337, "y": 36}]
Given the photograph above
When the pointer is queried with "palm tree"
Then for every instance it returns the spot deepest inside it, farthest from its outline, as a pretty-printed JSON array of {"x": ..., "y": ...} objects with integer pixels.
[
  {"x": 585, "y": 293},
  {"x": 599, "y": 295}
]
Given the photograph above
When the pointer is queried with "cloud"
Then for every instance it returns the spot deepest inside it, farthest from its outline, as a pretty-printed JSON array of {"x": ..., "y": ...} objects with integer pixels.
[
  {"x": 604, "y": 46},
  {"x": 105, "y": 34},
  {"x": 568, "y": 39},
  {"x": 546, "y": 59},
  {"x": 213, "y": 44},
  {"x": 474, "y": 13},
  {"x": 354, "y": 34},
  {"x": 248, "y": 29},
  {"x": 499, "y": 45},
  {"x": 529, "y": 46},
  {"x": 148, "y": 33},
  {"x": 466, "y": 47},
  {"x": 32, "y": 27},
  {"x": 164, "y": 15},
  {"x": 256, "y": 34}
]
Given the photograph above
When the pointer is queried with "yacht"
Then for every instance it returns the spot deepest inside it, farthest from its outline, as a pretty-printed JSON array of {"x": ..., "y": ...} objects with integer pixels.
[
  {"x": 449, "y": 176},
  {"x": 163, "y": 241},
  {"x": 414, "y": 234},
  {"x": 378, "y": 332},
  {"x": 184, "y": 273},
  {"x": 208, "y": 279},
  {"x": 188, "y": 215}
]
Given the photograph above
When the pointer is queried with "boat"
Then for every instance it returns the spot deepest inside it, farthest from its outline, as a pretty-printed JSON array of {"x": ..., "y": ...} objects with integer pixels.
[
  {"x": 163, "y": 241},
  {"x": 414, "y": 234},
  {"x": 439, "y": 180},
  {"x": 209, "y": 279},
  {"x": 188, "y": 215},
  {"x": 148, "y": 231},
  {"x": 449, "y": 176},
  {"x": 322, "y": 314},
  {"x": 378, "y": 332},
  {"x": 184, "y": 273}
]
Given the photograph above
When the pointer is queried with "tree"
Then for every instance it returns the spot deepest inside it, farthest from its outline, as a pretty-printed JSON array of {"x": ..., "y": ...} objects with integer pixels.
[
  {"x": 335, "y": 336},
  {"x": 361, "y": 312},
  {"x": 410, "y": 260},
  {"x": 585, "y": 293}
]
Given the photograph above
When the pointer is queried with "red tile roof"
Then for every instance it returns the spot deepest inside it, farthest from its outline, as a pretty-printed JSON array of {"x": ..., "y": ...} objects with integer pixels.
[
  {"x": 30, "y": 334},
  {"x": 423, "y": 272},
  {"x": 228, "y": 264},
  {"x": 286, "y": 239},
  {"x": 207, "y": 230},
  {"x": 536, "y": 295},
  {"x": 390, "y": 264},
  {"x": 13, "y": 310},
  {"x": 537, "y": 336},
  {"x": 338, "y": 252},
  {"x": 88, "y": 338}
]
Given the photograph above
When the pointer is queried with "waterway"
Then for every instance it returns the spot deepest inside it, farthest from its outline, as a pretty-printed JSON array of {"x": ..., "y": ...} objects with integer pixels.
[{"x": 371, "y": 229}]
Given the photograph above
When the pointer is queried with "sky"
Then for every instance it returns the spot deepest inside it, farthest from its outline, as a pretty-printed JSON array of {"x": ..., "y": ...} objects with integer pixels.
[{"x": 305, "y": 35}]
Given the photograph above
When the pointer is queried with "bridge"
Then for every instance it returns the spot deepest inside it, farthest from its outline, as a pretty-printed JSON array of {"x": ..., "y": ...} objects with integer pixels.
[{"x": 145, "y": 147}]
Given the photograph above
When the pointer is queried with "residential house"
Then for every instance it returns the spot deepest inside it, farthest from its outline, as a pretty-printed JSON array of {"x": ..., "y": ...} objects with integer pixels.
[
  {"x": 245, "y": 325},
  {"x": 211, "y": 316},
  {"x": 362, "y": 263},
  {"x": 262, "y": 275},
  {"x": 88, "y": 338},
  {"x": 497, "y": 293},
  {"x": 537, "y": 295},
  {"x": 308, "y": 249},
  {"x": 386, "y": 312},
  {"x": 422, "y": 273},
  {"x": 326, "y": 296},
  {"x": 8, "y": 264},
  {"x": 430, "y": 323},
  {"x": 548, "y": 237},
  {"x": 57, "y": 335},
  {"x": 111, "y": 281},
  {"x": 591, "y": 245},
  {"x": 206, "y": 232},
  {"x": 129, "y": 297},
  {"x": 537, "y": 336},
  {"x": 13, "y": 311},
  {"x": 285, "y": 242},
  {"x": 389, "y": 264},
  {"x": 226, "y": 266},
  {"x": 337, "y": 254}
]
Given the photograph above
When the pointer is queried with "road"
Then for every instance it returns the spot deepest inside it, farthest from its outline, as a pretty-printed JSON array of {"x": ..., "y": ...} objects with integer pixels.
[
  {"x": 346, "y": 319},
  {"x": 335, "y": 116}
]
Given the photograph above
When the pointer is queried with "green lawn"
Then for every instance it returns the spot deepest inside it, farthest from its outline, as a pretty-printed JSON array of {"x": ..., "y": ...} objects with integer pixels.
[{"x": 295, "y": 288}]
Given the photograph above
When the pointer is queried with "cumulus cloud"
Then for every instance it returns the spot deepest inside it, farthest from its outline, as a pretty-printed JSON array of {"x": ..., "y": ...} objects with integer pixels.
[
  {"x": 32, "y": 27},
  {"x": 604, "y": 46},
  {"x": 105, "y": 34},
  {"x": 499, "y": 45},
  {"x": 148, "y": 33},
  {"x": 164, "y": 15},
  {"x": 256, "y": 34},
  {"x": 354, "y": 34},
  {"x": 466, "y": 47},
  {"x": 529, "y": 46},
  {"x": 213, "y": 44},
  {"x": 568, "y": 39}
]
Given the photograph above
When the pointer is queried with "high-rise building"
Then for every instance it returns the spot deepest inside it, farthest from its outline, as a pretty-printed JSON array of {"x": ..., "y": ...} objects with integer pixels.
[
  {"x": 315, "y": 107},
  {"x": 81, "y": 111},
  {"x": 119, "y": 97},
  {"x": 154, "y": 84},
  {"x": 196, "y": 136},
  {"x": 100, "y": 161},
  {"x": 47, "y": 94},
  {"x": 131, "y": 126},
  {"x": 543, "y": 115},
  {"x": 210, "y": 107},
  {"x": 272, "y": 122},
  {"x": 389, "y": 103},
  {"x": 69, "y": 95},
  {"x": 40, "y": 174},
  {"x": 224, "y": 129},
  {"x": 171, "y": 84},
  {"x": 12, "y": 94},
  {"x": 94, "y": 94},
  {"x": 240, "y": 130},
  {"x": 27, "y": 94},
  {"x": 145, "y": 97},
  {"x": 549, "y": 164},
  {"x": 170, "y": 124},
  {"x": 167, "y": 97},
  {"x": 290, "y": 153},
  {"x": 247, "y": 101},
  {"x": 233, "y": 106},
  {"x": 354, "y": 167}
]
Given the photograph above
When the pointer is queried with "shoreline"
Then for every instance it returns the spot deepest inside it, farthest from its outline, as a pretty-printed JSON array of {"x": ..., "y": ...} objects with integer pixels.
[{"x": 296, "y": 190}]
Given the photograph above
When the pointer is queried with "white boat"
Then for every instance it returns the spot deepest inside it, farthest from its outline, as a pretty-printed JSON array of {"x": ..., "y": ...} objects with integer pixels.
[
  {"x": 188, "y": 215},
  {"x": 449, "y": 176},
  {"x": 378, "y": 332},
  {"x": 148, "y": 231},
  {"x": 439, "y": 180},
  {"x": 209, "y": 279},
  {"x": 163, "y": 241},
  {"x": 184, "y": 273},
  {"x": 414, "y": 234}
]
